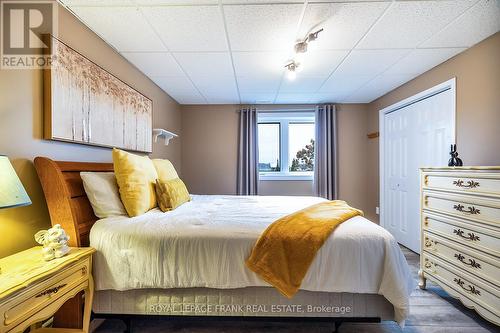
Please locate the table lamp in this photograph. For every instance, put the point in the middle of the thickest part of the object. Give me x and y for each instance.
(12, 192)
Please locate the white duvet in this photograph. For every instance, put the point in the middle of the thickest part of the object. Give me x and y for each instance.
(204, 243)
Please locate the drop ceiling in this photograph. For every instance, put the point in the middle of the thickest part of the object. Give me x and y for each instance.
(234, 51)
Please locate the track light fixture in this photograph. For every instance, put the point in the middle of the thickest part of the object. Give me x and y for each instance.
(300, 50)
(292, 69)
(313, 36)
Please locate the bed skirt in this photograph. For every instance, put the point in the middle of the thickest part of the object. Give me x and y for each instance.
(251, 301)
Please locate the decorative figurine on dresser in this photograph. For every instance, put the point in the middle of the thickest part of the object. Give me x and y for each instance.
(460, 234)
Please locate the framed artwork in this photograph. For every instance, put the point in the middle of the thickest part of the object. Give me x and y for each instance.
(84, 103)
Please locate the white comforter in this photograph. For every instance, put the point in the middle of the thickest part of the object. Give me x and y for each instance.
(204, 243)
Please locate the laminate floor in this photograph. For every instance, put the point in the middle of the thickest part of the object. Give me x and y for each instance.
(432, 311)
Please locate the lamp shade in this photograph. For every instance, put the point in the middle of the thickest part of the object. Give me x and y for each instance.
(12, 192)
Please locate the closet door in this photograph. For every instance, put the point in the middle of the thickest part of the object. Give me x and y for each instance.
(396, 148)
(416, 135)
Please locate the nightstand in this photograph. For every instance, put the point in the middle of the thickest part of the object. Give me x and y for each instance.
(32, 289)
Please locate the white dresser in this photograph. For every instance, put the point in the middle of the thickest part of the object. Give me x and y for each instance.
(460, 216)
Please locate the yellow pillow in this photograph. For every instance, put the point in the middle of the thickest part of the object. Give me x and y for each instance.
(171, 194)
(136, 176)
(165, 170)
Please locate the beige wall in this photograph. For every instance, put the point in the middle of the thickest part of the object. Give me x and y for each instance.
(477, 72)
(210, 146)
(21, 129)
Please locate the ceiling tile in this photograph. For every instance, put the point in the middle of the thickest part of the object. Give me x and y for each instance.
(476, 24)
(262, 27)
(154, 63)
(257, 98)
(217, 89)
(344, 24)
(344, 85)
(180, 88)
(260, 64)
(189, 28)
(419, 61)
(243, 2)
(376, 88)
(259, 84)
(321, 63)
(176, 2)
(284, 98)
(301, 84)
(123, 27)
(98, 2)
(369, 62)
(205, 64)
(408, 23)
(326, 97)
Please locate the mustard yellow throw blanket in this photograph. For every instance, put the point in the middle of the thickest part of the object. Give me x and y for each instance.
(286, 249)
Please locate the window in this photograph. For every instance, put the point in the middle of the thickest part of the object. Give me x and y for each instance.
(286, 145)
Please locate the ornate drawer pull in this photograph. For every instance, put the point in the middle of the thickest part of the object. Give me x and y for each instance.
(470, 210)
(470, 235)
(473, 263)
(469, 184)
(470, 288)
(51, 291)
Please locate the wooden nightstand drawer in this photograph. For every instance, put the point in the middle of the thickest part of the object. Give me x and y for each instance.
(33, 290)
(32, 300)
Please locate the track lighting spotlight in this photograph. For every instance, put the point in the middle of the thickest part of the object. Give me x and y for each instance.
(292, 70)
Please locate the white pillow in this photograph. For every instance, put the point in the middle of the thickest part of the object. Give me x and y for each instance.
(102, 191)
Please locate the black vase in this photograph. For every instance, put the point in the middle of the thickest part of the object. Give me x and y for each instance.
(454, 160)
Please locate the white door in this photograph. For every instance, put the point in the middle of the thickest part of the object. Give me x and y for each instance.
(414, 134)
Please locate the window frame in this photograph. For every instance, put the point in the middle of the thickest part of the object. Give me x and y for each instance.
(284, 119)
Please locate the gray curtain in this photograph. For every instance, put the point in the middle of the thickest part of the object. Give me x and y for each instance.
(325, 157)
(248, 171)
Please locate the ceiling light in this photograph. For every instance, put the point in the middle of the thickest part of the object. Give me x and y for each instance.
(292, 70)
(313, 36)
(300, 49)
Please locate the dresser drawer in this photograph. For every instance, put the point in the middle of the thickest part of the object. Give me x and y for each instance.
(483, 296)
(466, 233)
(31, 300)
(464, 206)
(462, 257)
(480, 182)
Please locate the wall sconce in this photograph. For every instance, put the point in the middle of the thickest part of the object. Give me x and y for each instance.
(160, 132)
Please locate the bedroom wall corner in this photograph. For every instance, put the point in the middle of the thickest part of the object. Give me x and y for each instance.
(21, 133)
(210, 146)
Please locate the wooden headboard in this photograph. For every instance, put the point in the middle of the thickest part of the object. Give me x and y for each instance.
(66, 198)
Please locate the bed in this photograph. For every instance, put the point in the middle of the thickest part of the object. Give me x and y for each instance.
(190, 262)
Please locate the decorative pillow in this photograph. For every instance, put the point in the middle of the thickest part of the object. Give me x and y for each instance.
(165, 170)
(171, 194)
(102, 191)
(136, 176)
